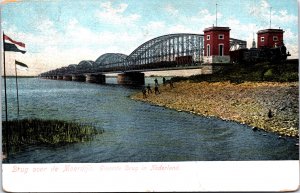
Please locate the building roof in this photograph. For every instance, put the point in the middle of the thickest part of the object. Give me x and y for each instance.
(270, 31)
(214, 28)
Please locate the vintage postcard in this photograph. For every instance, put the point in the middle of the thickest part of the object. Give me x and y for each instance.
(137, 95)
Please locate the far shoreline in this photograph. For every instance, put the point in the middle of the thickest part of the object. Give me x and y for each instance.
(20, 76)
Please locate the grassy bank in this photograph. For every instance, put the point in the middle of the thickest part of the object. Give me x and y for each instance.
(263, 96)
(47, 132)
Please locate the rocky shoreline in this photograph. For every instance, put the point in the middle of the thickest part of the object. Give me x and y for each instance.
(271, 106)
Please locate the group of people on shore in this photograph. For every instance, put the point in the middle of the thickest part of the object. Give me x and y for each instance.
(147, 90)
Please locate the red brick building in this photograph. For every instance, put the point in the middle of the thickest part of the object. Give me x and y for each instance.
(216, 45)
(269, 38)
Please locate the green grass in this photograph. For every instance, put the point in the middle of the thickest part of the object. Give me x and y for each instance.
(45, 132)
(238, 73)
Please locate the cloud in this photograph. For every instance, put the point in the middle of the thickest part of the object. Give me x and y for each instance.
(279, 18)
(45, 48)
(169, 8)
(282, 17)
(179, 28)
(50, 48)
(83, 37)
(289, 36)
(117, 15)
(290, 40)
(204, 18)
(153, 28)
(243, 31)
(259, 10)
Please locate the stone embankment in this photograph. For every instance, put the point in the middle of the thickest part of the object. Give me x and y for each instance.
(270, 106)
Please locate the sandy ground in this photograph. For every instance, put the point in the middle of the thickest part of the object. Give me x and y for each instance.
(267, 105)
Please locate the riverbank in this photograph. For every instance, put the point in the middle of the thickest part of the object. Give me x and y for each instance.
(271, 106)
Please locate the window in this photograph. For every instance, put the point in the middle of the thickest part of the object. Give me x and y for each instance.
(221, 36)
(221, 49)
(208, 37)
(275, 38)
(262, 39)
(208, 50)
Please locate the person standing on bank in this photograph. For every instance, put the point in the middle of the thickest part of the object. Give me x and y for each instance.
(156, 82)
(144, 93)
(171, 84)
(156, 89)
(149, 89)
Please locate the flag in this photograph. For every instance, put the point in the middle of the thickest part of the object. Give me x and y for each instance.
(20, 65)
(12, 45)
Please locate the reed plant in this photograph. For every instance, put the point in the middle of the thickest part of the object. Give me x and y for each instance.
(47, 132)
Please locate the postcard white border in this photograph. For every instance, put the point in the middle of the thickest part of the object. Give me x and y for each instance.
(152, 176)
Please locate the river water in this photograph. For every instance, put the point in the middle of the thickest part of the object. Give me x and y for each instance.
(134, 131)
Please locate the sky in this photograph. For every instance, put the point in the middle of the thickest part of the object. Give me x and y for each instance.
(62, 32)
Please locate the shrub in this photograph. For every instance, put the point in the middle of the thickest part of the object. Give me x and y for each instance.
(289, 77)
(268, 73)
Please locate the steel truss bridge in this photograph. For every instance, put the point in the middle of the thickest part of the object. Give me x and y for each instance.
(160, 52)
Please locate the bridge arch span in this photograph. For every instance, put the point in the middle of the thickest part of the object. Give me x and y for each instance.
(166, 48)
(110, 60)
(110, 57)
(85, 66)
(71, 68)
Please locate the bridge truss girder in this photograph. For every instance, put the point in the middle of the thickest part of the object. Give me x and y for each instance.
(166, 48)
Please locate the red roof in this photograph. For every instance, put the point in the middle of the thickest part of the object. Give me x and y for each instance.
(270, 31)
(216, 29)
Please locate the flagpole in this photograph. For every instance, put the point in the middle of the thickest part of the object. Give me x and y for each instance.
(216, 14)
(5, 98)
(4, 73)
(270, 16)
(17, 89)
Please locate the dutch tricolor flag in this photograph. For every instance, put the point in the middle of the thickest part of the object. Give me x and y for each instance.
(12, 45)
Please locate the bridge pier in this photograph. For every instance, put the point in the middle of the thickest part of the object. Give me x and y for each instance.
(60, 77)
(79, 78)
(67, 77)
(54, 77)
(96, 78)
(131, 78)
